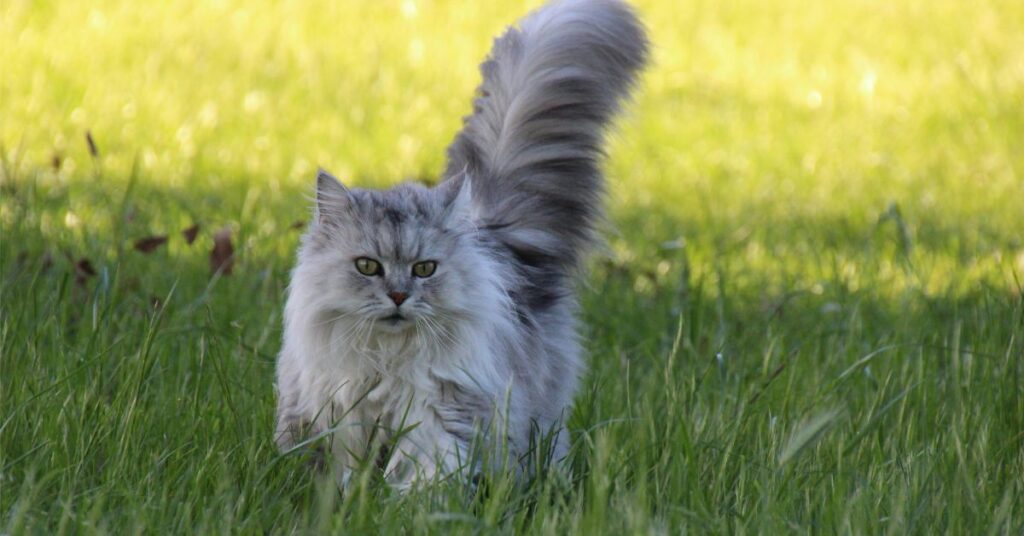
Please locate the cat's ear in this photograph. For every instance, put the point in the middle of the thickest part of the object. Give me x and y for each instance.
(457, 197)
(332, 198)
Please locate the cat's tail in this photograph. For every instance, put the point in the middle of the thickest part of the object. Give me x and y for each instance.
(533, 144)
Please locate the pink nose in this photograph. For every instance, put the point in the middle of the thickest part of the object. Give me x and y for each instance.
(397, 297)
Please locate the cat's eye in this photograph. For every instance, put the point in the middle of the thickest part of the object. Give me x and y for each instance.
(424, 268)
(368, 266)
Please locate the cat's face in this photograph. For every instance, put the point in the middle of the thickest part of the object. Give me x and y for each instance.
(390, 261)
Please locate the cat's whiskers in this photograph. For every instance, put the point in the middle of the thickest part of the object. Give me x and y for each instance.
(351, 331)
(445, 331)
(438, 332)
(362, 337)
(444, 321)
(425, 330)
(336, 318)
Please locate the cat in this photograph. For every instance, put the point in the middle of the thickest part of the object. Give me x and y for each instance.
(435, 319)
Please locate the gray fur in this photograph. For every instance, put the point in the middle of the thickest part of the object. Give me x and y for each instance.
(490, 343)
(534, 142)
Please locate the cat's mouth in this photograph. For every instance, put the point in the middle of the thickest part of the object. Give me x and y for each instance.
(393, 318)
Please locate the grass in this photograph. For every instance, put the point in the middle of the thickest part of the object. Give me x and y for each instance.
(809, 317)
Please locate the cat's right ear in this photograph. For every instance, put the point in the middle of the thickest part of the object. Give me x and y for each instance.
(332, 198)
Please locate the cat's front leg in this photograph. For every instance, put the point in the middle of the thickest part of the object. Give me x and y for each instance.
(293, 425)
(332, 454)
(424, 454)
(299, 427)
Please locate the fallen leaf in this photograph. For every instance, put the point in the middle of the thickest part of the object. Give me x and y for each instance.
(222, 257)
(191, 233)
(93, 150)
(85, 267)
(148, 244)
(84, 270)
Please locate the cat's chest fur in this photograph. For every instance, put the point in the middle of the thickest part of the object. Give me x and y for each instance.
(381, 381)
(369, 394)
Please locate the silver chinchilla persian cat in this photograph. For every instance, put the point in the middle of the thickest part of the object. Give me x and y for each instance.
(424, 322)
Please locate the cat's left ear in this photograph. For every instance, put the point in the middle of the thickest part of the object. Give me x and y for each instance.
(457, 196)
(332, 198)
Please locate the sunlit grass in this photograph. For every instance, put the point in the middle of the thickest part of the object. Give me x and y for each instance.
(808, 316)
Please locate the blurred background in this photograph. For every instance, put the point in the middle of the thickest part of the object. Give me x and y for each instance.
(759, 117)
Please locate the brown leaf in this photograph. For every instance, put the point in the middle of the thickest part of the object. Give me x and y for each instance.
(148, 244)
(191, 233)
(85, 267)
(222, 258)
(93, 150)
(84, 270)
(298, 225)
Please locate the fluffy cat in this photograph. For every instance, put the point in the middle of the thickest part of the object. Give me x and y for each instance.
(437, 319)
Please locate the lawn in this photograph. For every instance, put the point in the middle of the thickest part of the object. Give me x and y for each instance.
(808, 316)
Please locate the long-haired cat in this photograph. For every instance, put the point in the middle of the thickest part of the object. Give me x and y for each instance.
(436, 319)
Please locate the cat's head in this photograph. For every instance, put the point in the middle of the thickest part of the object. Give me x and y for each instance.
(393, 260)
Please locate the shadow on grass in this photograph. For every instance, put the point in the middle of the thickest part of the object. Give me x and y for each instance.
(799, 272)
(730, 328)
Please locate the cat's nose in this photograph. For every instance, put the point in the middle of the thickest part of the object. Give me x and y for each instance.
(397, 297)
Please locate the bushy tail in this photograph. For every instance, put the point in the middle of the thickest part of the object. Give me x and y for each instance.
(533, 144)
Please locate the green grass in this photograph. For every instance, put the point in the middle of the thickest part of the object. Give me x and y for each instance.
(808, 319)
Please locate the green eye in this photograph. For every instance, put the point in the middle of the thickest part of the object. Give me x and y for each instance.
(367, 266)
(424, 269)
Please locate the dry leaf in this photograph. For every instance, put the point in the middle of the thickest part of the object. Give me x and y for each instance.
(222, 257)
(148, 244)
(84, 267)
(191, 233)
(93, 150)
(84, 270)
